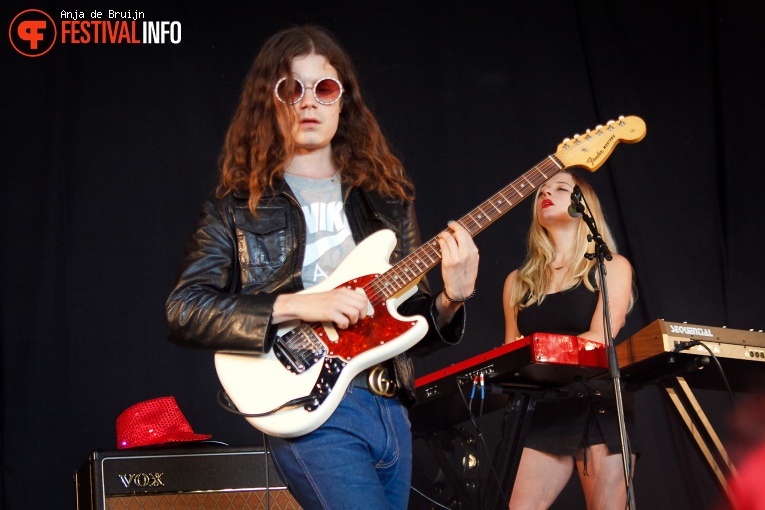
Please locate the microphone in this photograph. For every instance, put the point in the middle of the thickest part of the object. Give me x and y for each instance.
(576, 208)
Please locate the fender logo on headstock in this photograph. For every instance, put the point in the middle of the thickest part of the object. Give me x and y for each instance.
(592, 159)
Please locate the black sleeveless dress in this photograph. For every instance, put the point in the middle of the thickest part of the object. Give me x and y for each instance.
(587, 416)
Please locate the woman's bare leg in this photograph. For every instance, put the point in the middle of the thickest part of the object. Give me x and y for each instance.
(541, 477)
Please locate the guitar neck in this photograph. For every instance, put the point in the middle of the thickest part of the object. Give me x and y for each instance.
(426, 257)
(508, 197)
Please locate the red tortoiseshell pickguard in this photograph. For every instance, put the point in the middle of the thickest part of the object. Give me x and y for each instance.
(368, 333)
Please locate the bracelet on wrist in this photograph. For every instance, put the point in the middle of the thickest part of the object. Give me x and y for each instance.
(461, 300)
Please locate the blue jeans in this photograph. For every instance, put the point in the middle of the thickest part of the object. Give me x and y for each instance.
(360, 458)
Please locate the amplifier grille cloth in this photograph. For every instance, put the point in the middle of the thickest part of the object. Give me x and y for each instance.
(250, 500)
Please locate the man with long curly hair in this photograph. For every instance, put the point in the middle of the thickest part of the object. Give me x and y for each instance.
(306, 175)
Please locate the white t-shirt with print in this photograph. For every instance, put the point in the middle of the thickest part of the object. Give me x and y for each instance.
(328, 235)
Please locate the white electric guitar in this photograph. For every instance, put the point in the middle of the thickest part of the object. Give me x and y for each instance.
(297, 385)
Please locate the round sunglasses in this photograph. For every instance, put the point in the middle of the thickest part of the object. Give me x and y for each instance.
(291, 90)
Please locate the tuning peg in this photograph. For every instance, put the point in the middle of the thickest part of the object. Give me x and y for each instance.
(599, 127)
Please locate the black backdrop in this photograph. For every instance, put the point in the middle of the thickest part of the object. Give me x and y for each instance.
(110, 150)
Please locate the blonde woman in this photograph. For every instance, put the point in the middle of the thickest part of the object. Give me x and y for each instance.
(556, 291)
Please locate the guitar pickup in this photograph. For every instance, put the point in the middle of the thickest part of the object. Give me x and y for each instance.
(331, 331)
(370, 308)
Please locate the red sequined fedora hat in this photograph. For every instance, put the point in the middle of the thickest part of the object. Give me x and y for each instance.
(154, 422)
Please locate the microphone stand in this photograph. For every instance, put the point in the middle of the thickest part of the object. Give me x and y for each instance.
(603, 253)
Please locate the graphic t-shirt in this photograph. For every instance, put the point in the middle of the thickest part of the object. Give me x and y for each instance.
(328, 236)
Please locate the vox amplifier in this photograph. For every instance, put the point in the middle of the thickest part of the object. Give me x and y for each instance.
(181, 478)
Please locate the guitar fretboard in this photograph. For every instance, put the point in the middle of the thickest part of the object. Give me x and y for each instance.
(427, 256)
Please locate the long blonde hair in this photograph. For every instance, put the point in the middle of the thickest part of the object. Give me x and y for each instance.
(533, 277)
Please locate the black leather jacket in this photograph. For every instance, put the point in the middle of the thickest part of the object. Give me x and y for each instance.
(235, 265)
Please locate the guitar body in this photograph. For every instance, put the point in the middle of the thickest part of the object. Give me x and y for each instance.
(259, 383)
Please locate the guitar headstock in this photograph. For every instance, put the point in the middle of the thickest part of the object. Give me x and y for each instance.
(591, 149)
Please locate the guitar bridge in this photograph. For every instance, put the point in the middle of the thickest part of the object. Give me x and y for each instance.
(299, 349)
